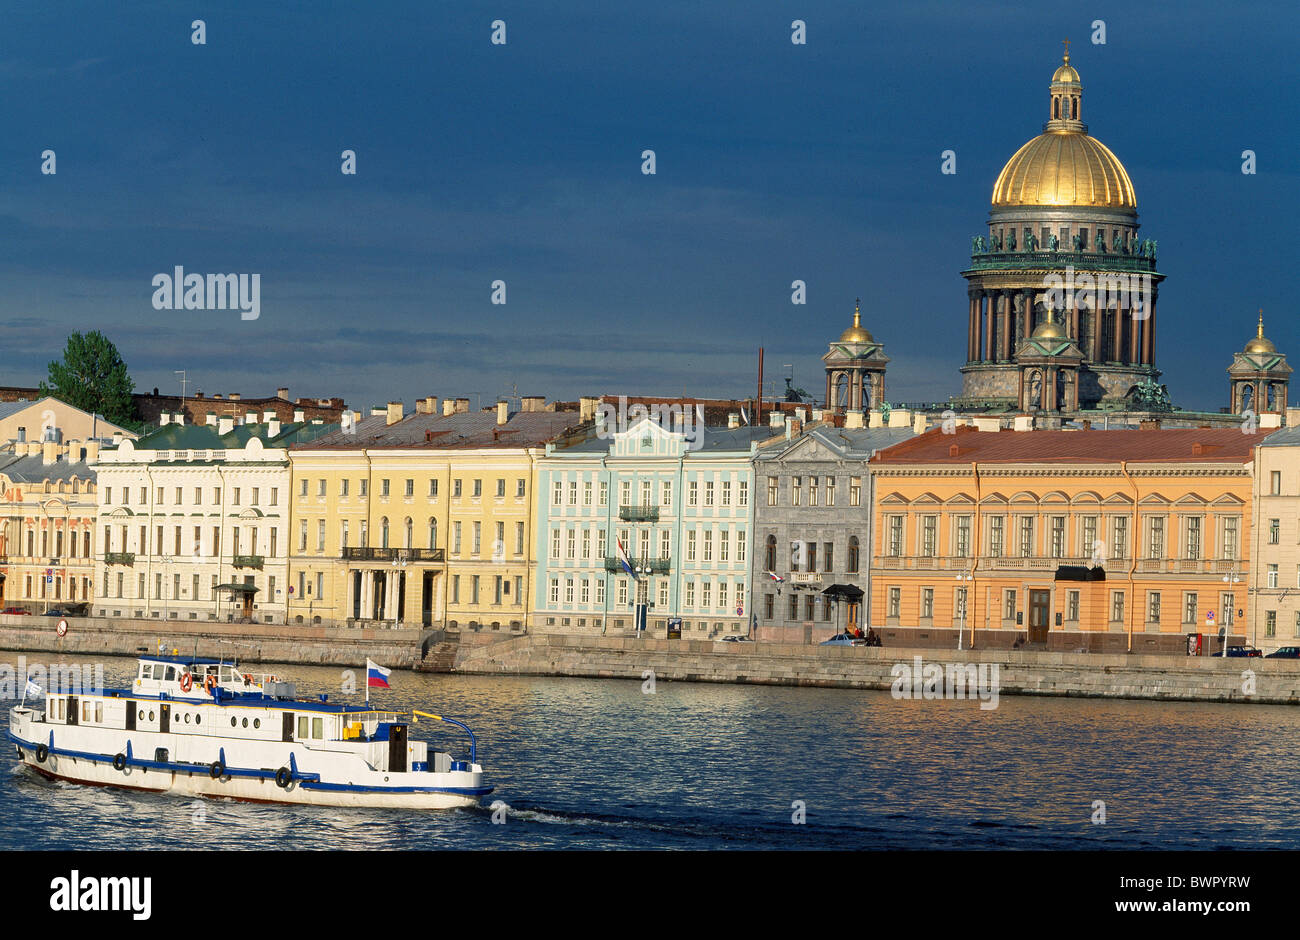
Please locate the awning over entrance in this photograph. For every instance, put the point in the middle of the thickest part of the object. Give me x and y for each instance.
(1080, 573)
(237, 588)
(848, 592)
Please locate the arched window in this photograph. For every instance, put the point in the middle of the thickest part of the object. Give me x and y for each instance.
(770, 560)
(1056, 107)
(410, 532)
(433, 533)
(853, 554)
(383, 532)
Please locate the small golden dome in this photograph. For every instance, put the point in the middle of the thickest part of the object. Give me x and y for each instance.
(1260, 344)
(1064, 168)
(1049, 329)
(855, 333)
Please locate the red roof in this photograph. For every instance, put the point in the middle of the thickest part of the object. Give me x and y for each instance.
(969, 445)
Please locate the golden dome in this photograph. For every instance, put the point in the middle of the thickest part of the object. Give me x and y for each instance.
(855, 333)
(1064, 168)
(1049, 329)
(1260, 344)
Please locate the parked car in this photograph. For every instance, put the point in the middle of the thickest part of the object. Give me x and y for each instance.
(55, 612)
(1244, 651)
(14, 610)
(735, 639)
(845, 639)
(1285, 652)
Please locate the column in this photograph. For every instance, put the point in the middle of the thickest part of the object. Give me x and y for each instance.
(1135, 346)
(1118, 348)
(1151, 332)
(970, 327)
(1006, 326)
(986, 327)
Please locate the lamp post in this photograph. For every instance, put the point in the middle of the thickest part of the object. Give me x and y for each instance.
(963, 577)
(399, 569)
(1230, 578)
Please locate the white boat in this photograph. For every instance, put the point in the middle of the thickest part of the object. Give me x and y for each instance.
(202, 727)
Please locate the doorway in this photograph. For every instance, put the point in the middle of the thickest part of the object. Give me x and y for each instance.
(1040, 603)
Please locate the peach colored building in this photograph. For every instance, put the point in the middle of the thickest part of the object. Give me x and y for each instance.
(1063, 539)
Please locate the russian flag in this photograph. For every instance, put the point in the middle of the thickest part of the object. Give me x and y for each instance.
(622, 558)
(376, 675)
(774, 576)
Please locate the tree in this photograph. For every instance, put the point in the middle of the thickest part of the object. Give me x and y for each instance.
(92, 376)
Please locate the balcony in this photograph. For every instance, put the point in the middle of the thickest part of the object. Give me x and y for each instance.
(248, 561)
(393, 554)
(656, 565)
(638, 513)
(1082, 261)
(119, 558)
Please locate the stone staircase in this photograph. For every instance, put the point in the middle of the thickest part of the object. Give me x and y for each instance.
(439, 651)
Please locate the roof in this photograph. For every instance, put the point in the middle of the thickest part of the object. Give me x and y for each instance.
(34, 469)
(850, 443)
(206, 437)
(465, 429)
(1286, 437)
(1215, 445)
(712, 439)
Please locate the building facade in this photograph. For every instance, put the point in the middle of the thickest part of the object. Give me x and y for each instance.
(1101, 540)
(1274, 581)
(812, 530)
(680, 505)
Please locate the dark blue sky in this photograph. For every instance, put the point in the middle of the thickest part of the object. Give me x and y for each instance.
(522, 162)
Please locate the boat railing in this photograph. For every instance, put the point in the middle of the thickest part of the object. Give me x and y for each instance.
(473, 745)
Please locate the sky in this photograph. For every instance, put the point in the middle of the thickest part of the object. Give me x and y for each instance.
(478, 162)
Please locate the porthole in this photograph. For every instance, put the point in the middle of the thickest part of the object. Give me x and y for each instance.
(187, 718)
(198, 719)
(233, 722)
(257, 722)
(141, 715)
(245, 722)
(151, 715)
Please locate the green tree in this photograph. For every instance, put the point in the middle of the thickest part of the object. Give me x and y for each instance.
(92, 376)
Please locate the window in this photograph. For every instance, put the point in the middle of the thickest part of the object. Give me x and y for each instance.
(1230, 538)
(1116, 606)
(1193, 537)
(813, 491)
(708, 493)
(769, 555)
(963, 536)
(455, 489)
(796, 487)
(519, 538)
(690, 545)
(726, 500)
(666, 493)
(1009, 604)
(570, 543)
(433, 489)
(302, 535)
(828, 549)
(743, 493)
(477, 492)
(320, 534)
(501, 489)
(1156, 544)
(927, 603)
(854, 557)
(478, 539)
(895, 600)
(1275, 482)
(1072, 606)
(1058, 536)
(410, 489)
(995, 536)
(568, 590)
(855, 491)
(1272, 576)
(256, 495)
(383, 489)
(455, 538)
(771, 491)
(303, 490)
(1153, 607)
(929, 529)
(320, 491)
(665, 543)
(573, 492)
(830, 491)
(1026, 536)
(1189, 608)
(519, 489)
(1270, 623)
(557, 493)
(794, 606)
(1119, 537)
(604, 493)
(769, 600)
(895, 536)
(555, 590)
(622, 592)
(1274, 531)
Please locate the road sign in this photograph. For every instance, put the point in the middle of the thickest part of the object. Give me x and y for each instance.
(62, 628)
(740, 611)
(1209, 618)
(291, 589)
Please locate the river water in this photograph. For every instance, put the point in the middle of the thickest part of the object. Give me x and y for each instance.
(586, 764)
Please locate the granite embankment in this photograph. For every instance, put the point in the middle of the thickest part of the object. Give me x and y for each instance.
(1179, 678)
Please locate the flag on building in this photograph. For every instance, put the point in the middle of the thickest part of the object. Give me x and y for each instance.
(622, 557)
(775, 577)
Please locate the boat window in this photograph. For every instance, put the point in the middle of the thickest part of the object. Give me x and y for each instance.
(198, 718)
(151, 714)
(85, 711)
(227, 674)
(233, 721)
(187, 718)
(141, 715)
(302, 726)
(317, 728)
(99, 712)
(245, 722)
(257, 722)
(171, 673)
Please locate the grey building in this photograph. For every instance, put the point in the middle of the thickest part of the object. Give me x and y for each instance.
(812, 517)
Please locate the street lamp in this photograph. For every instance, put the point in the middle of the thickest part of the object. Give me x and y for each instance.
(963, 577)
(1229, 578)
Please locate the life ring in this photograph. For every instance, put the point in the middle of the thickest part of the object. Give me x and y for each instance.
(283, 777)
(187, 681)
(217, 770)
(119, 762)
(210, 683)
(42, 752)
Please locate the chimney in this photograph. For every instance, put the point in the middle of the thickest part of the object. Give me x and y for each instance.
(818, 414)
(1270, 419)
(1292, 417)
(272, 428)
(92, 451)
(448, 407)
(789, 427)
(988, 424)
(875, 419)
(225, 424)
(268, 415)
(217, 396)
(117, 438)
(49, 452)
(852, 419)
(587, 406)
(377, 410)
(233, 396)
(394, 412)
(1024, 423)
(282, 394)
(533, 403)
(22, 435)
(801, 414)
(733, 419)
(426, 406)
(462, 406)
(178, 418)
(776, 419)
(164, 419)
(211, 419)
(299, 416)
(503, 412)
(900, 418)
(919, 423)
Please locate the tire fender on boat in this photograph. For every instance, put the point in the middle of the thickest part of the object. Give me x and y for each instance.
(20, 754)
(283, 777)
(119, 762)
(217, 770)
(42, 752)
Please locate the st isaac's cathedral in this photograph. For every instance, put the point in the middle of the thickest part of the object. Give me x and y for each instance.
(1062, 300)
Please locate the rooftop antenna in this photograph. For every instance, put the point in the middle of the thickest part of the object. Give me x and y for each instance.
(184, 380)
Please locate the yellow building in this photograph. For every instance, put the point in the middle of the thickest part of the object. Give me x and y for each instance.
(421, 520)
(47, 551)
